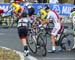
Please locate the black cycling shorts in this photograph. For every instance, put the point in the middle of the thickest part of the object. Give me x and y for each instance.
(22, 31)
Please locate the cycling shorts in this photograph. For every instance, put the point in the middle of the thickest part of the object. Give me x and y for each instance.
(57, 29)
(22, 31)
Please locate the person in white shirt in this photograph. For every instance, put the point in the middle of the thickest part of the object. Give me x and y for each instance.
(57, 26)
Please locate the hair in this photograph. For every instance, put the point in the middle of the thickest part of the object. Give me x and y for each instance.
(47, 8)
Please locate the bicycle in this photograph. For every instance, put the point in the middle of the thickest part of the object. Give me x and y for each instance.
(63, 40)
(39, 44)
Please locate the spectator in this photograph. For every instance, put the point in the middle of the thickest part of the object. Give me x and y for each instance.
(25, 1)
(35, 1)
(39, 1)
(53, 1)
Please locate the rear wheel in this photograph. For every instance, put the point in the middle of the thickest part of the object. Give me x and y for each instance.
(67, 41)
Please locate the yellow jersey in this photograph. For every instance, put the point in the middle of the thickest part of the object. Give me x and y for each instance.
(15, 6)
(43, 13)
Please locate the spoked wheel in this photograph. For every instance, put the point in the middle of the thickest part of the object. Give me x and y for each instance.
(67, 41)
(41, 45)
(31, 44)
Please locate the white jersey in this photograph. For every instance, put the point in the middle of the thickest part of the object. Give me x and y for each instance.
(57, 25)
(23, 22)
(54, 16)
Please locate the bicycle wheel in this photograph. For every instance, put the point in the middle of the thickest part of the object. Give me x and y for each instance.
(31, 44)
(67, 41)
(46, 37)
(42, 46)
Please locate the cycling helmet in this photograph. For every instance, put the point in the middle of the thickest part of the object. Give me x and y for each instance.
(40, 7)
(24, 14)
(27, 4)
(46, 7)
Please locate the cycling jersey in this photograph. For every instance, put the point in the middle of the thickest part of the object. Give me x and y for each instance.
(54, 16)
(17, 7)
(72, 14)
(24, 22)
(43, 13)
(56, 20)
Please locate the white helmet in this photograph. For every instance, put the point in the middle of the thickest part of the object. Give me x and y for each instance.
(39, 7)
(27, 4)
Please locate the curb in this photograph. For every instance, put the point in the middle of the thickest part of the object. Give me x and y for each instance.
(18, 52)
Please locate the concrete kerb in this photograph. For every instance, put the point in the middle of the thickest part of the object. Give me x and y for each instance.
(18, 52)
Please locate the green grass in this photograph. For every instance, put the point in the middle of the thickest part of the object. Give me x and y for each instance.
(8, 55)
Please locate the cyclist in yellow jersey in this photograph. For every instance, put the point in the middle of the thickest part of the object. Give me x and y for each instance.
(43, 15)
(17, 10)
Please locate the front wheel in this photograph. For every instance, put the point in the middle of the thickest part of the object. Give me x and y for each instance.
(31, 44)
(41, 43)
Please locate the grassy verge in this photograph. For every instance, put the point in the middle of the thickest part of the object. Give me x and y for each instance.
(8, 55)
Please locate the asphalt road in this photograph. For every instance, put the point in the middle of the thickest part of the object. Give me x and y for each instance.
(9, 38)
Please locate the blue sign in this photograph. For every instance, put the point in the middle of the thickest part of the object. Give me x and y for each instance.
(61, 9)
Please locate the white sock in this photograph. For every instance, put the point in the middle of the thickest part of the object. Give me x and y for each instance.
(53, 48)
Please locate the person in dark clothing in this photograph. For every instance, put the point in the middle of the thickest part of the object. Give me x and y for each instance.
(31, 10)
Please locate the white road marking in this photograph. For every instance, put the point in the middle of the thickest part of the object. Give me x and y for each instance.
(32, 58)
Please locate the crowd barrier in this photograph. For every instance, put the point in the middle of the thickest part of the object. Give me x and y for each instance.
(62, 9)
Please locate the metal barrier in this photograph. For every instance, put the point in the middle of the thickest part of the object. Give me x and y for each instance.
(7, 22)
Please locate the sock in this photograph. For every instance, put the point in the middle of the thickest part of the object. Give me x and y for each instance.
(25, 48)
(53, 48)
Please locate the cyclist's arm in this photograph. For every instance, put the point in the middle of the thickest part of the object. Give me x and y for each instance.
(10, 8)
(45, 21)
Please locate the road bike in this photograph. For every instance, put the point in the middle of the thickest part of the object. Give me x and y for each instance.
(36, 45)
(65, 38)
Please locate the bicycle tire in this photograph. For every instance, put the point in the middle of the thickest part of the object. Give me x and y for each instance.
(41, 43)
(66, 42)
(30, 43)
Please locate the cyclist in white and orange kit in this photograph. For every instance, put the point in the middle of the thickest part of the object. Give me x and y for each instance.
(57, 25)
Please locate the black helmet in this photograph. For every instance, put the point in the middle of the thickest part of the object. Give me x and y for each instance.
(46, 7)
(24, 14)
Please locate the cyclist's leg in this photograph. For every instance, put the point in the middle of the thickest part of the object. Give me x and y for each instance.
(22, 31)
(53, 36)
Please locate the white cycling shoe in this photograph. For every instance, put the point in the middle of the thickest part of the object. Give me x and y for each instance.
(26, 52)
